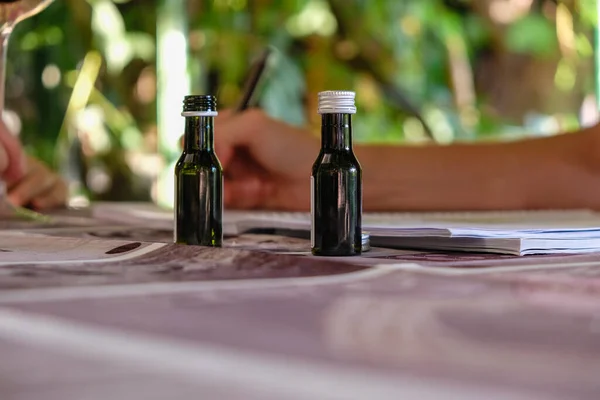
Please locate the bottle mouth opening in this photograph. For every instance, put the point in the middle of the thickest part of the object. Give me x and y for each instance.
(201, 103)
(337, 102)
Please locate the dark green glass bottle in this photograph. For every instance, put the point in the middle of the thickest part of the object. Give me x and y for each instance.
(336, 181)
(199, 177)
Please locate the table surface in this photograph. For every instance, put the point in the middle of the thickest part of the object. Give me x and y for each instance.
(91, 309)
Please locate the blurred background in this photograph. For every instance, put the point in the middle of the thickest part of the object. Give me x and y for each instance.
(95, 86)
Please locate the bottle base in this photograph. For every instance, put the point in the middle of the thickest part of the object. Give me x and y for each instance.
(195, 243)
(336, 253)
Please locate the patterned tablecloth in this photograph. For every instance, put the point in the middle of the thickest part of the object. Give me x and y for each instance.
(97, 310)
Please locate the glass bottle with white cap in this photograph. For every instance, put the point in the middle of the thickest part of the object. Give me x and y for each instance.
(199, 177)
(336, 181)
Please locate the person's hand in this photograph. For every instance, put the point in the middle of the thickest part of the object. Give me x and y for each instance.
(40, 188)
(12, 159)
(267, 163)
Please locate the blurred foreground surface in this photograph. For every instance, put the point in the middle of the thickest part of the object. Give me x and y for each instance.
(92, 309)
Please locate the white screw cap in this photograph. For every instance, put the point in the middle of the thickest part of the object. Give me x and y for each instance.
(337, 102)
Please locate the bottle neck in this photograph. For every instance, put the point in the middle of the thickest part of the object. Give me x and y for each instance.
(199, 134)
(336, 131)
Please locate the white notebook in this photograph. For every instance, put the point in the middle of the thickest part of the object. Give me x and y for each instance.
(507, 232)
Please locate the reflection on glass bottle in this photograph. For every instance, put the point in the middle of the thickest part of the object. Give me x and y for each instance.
(336, 181)
(199, 178)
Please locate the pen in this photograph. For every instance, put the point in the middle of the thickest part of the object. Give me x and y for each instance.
(256, 73)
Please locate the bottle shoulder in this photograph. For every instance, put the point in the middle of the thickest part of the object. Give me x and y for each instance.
(198, 160)
(334, 160)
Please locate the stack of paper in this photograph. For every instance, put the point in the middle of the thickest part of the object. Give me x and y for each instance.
(508, 232)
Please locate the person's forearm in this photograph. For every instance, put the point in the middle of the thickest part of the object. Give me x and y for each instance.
(531, 174)
(437, 178)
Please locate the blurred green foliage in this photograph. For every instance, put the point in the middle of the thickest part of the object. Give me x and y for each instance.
(470, 70)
